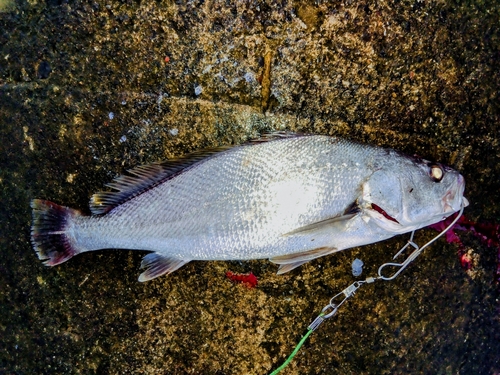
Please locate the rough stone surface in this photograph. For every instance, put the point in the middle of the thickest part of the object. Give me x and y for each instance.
(89, 89)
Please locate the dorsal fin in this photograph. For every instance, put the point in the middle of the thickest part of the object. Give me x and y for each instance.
(145, 177)
(279, 134)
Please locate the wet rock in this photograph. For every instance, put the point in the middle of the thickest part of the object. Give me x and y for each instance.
(44, 70)
(421, 77)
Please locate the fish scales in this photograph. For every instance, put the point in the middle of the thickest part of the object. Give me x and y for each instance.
(233, 205)
(290, 199)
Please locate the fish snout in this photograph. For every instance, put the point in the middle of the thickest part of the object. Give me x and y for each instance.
(465, 201)
(454, 199)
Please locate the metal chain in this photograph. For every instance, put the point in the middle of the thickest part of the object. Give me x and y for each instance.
(332, 307)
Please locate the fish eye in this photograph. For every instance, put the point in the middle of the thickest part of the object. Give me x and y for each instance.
(436, 172)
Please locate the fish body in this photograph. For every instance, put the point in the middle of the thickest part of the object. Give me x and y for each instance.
(290, 199)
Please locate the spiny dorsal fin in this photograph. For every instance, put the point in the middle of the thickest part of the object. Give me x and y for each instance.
(272, 136)
(145, 177)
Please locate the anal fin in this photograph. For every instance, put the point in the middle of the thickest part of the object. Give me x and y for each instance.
(290, 261)
(157, 264)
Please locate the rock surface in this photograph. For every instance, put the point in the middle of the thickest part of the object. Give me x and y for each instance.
(89, 89)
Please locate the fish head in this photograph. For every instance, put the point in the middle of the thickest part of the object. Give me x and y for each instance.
(406, 194)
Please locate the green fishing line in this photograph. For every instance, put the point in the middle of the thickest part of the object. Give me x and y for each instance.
(331, 309)
(290, 357)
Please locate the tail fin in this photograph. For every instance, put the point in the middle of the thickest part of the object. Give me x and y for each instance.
(48, 232)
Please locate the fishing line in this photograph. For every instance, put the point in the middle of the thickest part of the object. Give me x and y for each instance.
(331, 308)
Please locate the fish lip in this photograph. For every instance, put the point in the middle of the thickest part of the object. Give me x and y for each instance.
(465, 201)
(454, 199)
(448, 199)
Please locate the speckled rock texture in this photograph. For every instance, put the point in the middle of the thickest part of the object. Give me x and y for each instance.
(89, 89)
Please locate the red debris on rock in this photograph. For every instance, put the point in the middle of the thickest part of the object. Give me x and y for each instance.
(466, 261)
(249, 279)
(488, 233)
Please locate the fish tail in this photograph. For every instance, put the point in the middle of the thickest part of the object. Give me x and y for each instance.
(49, 232)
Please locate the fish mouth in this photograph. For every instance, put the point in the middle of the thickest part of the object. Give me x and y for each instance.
(454, 199)
(465, 202)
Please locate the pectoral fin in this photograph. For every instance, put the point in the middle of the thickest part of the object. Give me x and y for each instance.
(290, 261)
(322, 225)
(157, 264)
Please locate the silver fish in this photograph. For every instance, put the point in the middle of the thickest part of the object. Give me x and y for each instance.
(290, 198)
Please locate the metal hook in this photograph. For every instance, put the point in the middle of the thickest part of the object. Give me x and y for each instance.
(331, 308)
(416, 252)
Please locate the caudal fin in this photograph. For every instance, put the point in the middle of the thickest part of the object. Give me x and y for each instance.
(48, 232)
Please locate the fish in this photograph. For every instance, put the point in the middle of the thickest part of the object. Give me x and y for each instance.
(287, 197)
